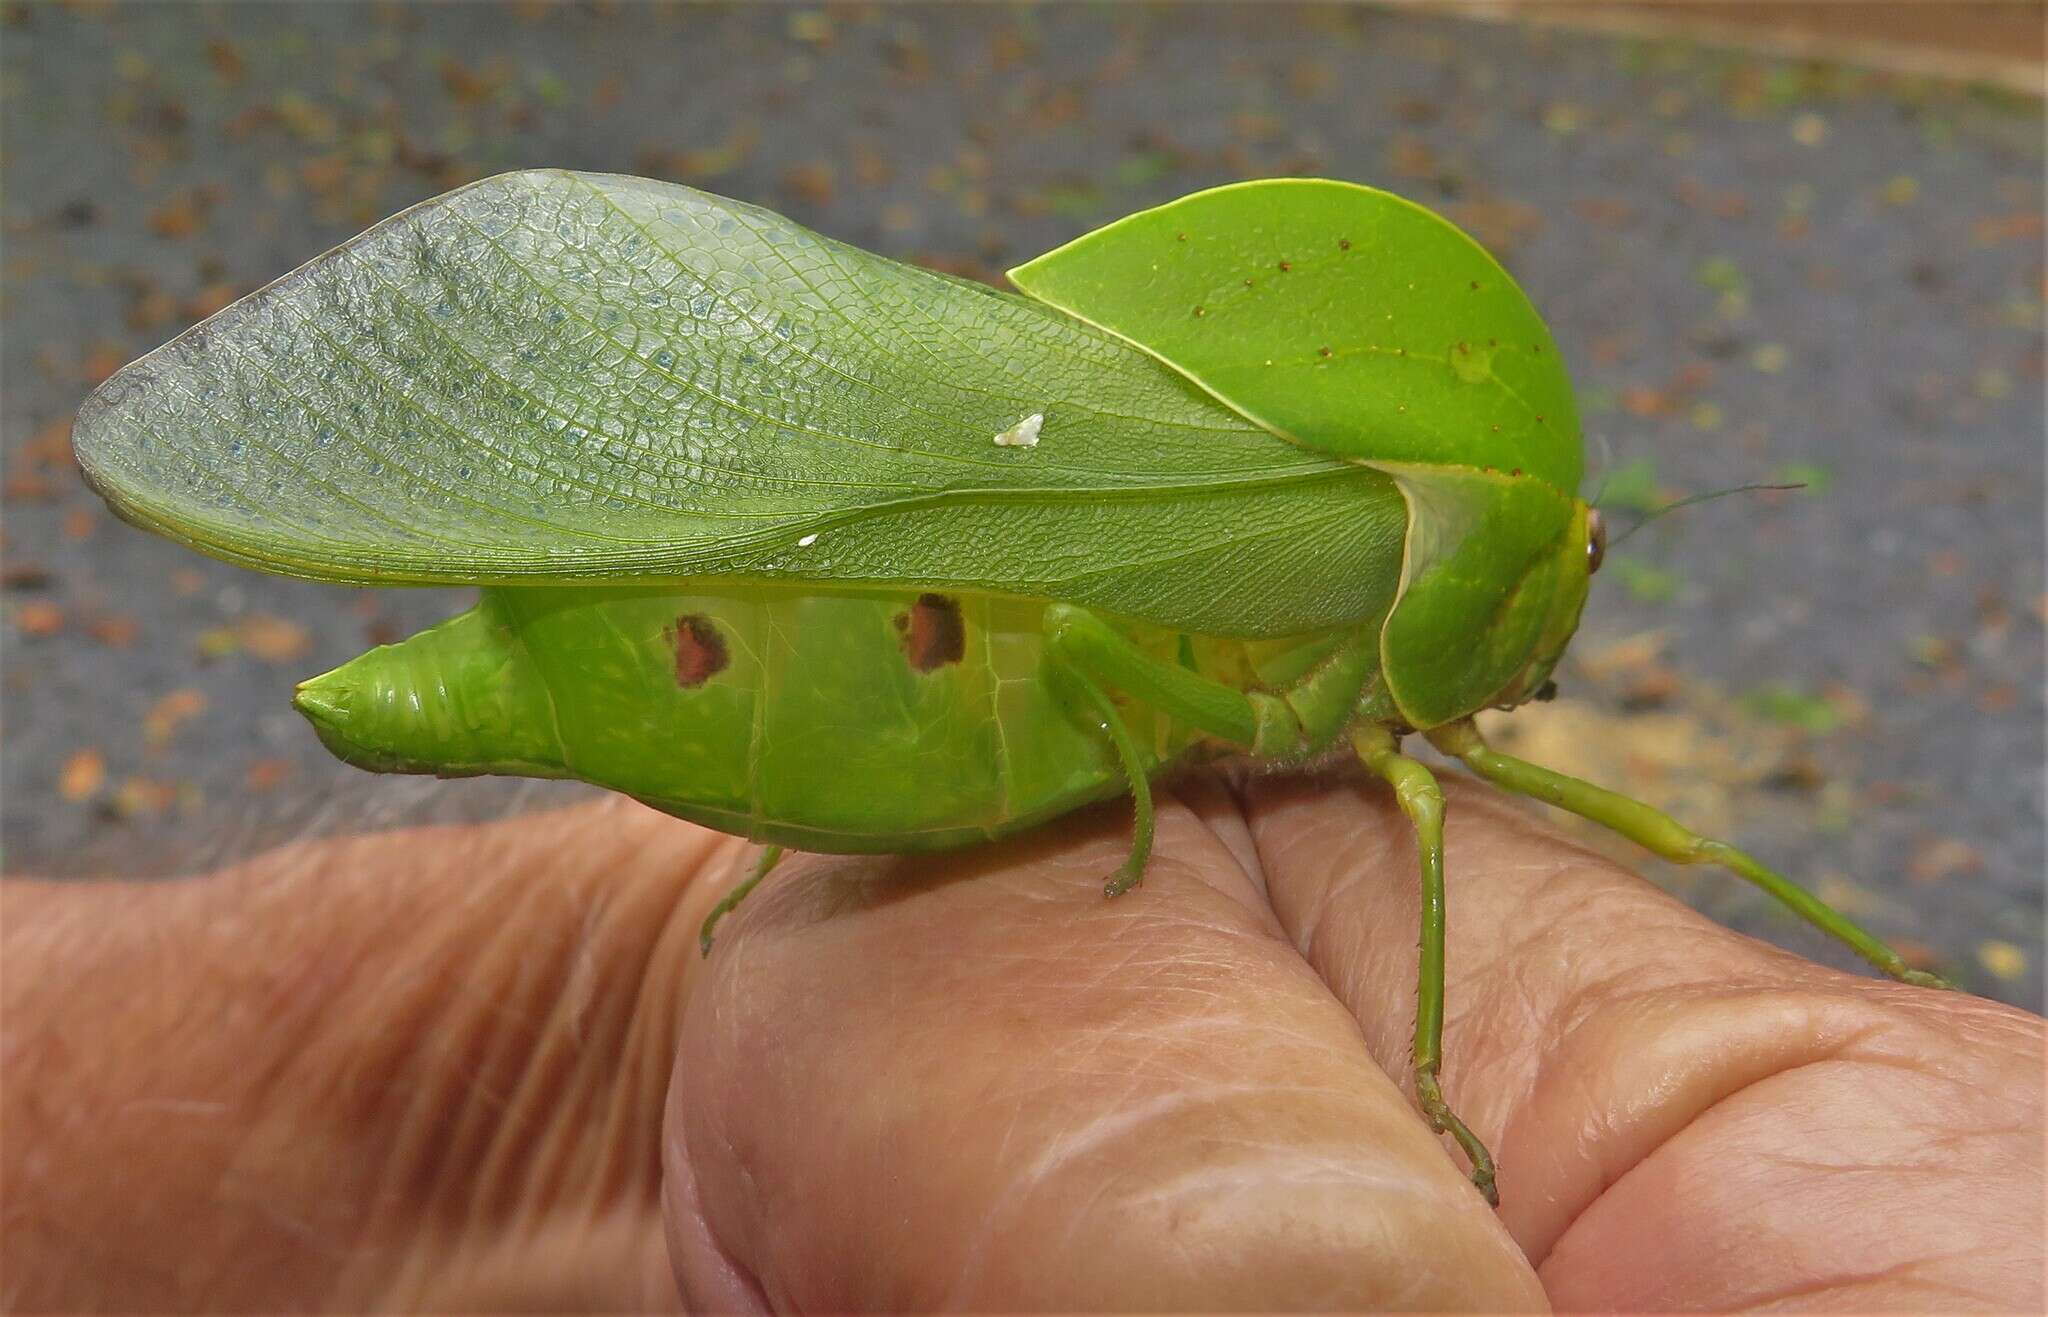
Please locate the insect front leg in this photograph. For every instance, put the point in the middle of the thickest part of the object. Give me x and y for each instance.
(1662, 835)
(1423, 802)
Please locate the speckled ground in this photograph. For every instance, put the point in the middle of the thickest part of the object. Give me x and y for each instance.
(1759, 271)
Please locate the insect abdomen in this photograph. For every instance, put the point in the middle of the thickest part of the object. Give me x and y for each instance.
(456, 699)
(832, 721)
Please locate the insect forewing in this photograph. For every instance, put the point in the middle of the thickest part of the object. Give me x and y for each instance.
(553, 376)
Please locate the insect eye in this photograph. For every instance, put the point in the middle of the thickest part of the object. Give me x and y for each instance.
(1596, 540)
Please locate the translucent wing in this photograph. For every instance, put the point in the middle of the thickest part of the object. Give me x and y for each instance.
(551, 376)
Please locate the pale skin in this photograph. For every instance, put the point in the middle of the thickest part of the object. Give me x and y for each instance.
(486, 1067)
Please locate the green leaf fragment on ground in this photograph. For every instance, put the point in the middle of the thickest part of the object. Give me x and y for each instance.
(1817, 478)
(1646, 583)
(1632, 486)
(1143, 167)
(1793, 708)
(1722, 275)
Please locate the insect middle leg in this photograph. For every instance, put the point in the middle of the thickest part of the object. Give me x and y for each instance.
(1312, 712)
(1423, 802)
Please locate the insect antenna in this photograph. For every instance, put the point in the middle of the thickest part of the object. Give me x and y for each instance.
(1688, 501)
(1603, 462)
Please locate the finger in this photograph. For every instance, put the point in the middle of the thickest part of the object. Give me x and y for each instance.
(1625, 1058)
(970, 1081)
(419, 1069)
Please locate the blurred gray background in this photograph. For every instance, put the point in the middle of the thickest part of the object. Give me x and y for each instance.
(1759, 269)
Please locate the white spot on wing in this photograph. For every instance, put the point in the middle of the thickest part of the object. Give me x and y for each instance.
(1024, 434)
(807, 541)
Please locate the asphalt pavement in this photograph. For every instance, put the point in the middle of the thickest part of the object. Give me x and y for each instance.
(1759, 271)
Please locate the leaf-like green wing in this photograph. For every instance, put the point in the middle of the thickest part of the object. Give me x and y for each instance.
(553, 376)
(1338, 316)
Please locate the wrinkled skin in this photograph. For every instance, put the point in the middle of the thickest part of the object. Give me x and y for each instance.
(485, 1067)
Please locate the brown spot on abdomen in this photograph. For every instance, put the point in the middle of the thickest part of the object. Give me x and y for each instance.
(700, 650)
(933, 634)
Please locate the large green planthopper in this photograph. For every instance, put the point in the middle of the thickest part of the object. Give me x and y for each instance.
(835, 553)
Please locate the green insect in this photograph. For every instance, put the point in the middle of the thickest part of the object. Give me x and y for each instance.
(830, 552)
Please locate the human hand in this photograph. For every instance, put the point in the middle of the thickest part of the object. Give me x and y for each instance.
(470, 1067)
